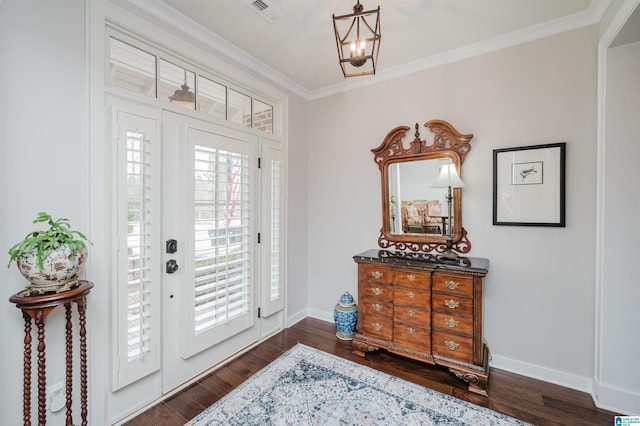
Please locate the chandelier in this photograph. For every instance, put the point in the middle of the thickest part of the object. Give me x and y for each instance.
(358, 40)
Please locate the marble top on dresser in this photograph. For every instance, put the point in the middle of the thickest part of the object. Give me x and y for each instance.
(424, 260)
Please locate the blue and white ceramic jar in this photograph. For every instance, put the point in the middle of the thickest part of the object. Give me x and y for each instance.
(345, 315)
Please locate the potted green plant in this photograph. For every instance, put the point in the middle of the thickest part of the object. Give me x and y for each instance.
(51, 258)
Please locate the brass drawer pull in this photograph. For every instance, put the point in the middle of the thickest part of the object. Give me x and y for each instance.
(377, 307)
(451, 322)
(411, 330)
(451, 304)
(411, 277)
(451, 345)
(411, 312)
(377, 275)
(451, 285)
(376, 326)
(411, 295)
(377, 291)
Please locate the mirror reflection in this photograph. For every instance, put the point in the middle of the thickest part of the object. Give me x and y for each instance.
(416, 205)
(421, 204)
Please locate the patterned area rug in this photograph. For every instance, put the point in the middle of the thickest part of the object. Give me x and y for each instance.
(305, 386)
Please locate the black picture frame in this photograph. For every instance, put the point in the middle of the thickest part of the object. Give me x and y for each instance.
(529, 185)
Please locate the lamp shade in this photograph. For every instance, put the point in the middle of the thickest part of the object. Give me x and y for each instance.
(448, 177)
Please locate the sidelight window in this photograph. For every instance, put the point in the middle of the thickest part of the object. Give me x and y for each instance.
(137, 225)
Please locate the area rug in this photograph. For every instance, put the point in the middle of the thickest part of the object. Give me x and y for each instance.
(305, 386)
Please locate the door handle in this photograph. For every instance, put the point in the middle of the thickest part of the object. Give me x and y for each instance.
(171, 266)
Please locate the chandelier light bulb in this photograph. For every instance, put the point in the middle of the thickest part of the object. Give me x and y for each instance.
(355, 33)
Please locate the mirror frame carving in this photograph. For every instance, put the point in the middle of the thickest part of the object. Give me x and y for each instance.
(447, 143)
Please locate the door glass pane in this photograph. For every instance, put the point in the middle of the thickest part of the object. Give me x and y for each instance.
(212, 98)
(177, 85)
(221, 226)
(275, 216)
(239, 108)
(262, 116)
(138, 243)
(272, 248)
(131, 68)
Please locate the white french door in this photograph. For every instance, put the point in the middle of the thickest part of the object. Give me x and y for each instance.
(209, 204)
(198, 247)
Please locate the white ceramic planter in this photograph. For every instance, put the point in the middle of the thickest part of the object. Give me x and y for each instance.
(61, 266)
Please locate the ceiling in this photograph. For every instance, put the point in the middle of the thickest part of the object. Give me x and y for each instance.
(299, 49)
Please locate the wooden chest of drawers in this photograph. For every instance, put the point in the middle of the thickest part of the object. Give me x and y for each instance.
(416, 306)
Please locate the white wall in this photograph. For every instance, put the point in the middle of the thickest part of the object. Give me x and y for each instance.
(42, 152)
(297, 214)
(620, 290)
(539, 294)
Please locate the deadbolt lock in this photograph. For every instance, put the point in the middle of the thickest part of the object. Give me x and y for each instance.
(171, 246)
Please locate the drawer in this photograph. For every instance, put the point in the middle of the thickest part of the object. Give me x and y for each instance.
(377, 291)
(411, 297)
(378, 326)
(412, 279)
(412, 315)
(454, 285)
(377, 307)
(377, 273)
(448, 322)
(451, 345)
(413, 337)
(452, 304)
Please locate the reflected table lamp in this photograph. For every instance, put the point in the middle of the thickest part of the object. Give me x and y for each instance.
(448, 178)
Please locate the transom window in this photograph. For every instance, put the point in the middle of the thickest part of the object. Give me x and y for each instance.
(138, 71)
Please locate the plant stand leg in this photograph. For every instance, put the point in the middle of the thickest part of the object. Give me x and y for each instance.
(69, 364)
(26, 398)
(82, 305)
(42, 375)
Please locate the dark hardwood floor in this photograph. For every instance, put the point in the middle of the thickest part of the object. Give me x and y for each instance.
(533, 401)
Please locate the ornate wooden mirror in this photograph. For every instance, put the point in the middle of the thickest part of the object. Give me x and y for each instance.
(414, 209)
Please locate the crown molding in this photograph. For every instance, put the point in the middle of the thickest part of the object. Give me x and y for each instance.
(597, 8)
(170, 16)
(588, 17)
(189, 27)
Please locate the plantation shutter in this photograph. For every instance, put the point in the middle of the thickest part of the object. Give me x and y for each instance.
(272, 247)
(219, 299)
(137, 278)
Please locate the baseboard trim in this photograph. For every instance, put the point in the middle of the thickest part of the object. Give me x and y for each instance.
(297, 317)
(608, 398)
(321, 315)
(557, 377)
(619, 401)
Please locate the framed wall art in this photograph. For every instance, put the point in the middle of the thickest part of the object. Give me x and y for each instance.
(529, 185)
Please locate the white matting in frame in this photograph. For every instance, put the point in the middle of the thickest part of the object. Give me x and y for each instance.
(529, 185)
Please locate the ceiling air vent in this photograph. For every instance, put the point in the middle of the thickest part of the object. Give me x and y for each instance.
(265, 8)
